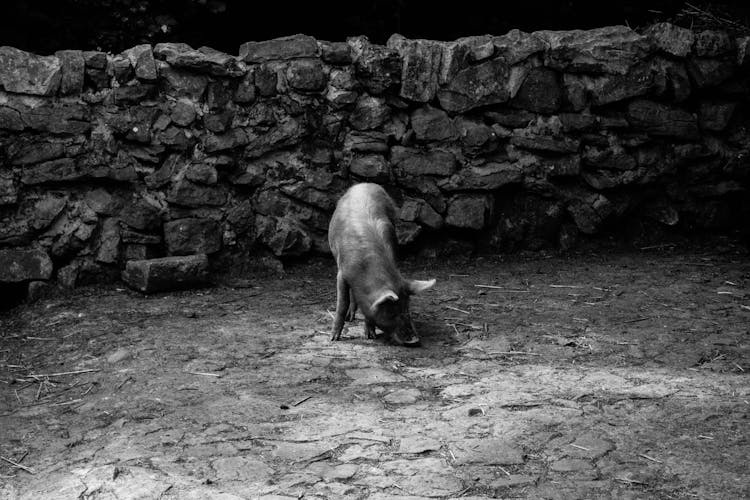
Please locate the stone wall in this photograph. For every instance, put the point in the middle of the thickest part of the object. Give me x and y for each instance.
(514, 141)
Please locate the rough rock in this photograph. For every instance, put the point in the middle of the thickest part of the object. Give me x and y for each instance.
(541, 92)
(407, 232)
(202, 173)
(715, 116)
(306, 75)
(420, 67)
(288, 47)
(432, 124)
(283, 235)
(468, 211)
(187, 193)
(490, 82)
(487, 177)
(662, 120)
(202, 60)
(671, 39)
(416, 162)
(589, 211)
(377, 68)
(373, 167)
(612, 49)
(142, 59)
(709, 72)
(8, 188)
(167, 273)
(142, 215)
(18, 265)
(192, 236)
(73, 71)
(712, 43)
(25, 73)
(369, 113)
(108, 242)
(415, 210)
(516, 46)
(338, 53)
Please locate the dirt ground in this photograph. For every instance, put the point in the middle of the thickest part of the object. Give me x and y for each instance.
(592, 375)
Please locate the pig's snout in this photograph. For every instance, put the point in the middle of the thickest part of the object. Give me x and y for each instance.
(405, 334)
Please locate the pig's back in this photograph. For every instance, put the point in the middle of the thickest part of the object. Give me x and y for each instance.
(362, 223)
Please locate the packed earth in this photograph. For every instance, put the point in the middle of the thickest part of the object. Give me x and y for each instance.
(620, 374)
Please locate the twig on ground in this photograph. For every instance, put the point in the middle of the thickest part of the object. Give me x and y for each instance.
(650, 458)
(17, 465)
(301, 401)
(123, 382)
(509, 353)
(60, 374)
(564, 286)
(457, 309)
(503, 470)
(629, 481)
(702, 436)
(206, 374)
(655, 247)
(579, 447)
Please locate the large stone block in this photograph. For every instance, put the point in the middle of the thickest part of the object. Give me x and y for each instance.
(192, 236)
(187, 193)
(613, 49)
(283, 235)
(202, 60)
(420, 67)
(715, 115)
(712, 43)
(25, 73)
(73, 71)
(662, 120)
(432, 124)
(468, 211)
(709, 72)
(167, 273)
(673, 40)
(142, 59)
(487, 177)
(18, 265)
(372, 167)
(541, 92)
(338, 53)
(288, 47)
(516, 46)
(8, 188)
(416, 162)
(306, 75)
(369, 113)
(475, 86)
(377, 68)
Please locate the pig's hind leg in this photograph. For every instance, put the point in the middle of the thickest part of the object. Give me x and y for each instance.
(342, 305)
(352, 311)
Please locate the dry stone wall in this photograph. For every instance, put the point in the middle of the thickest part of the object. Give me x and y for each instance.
(520, 140)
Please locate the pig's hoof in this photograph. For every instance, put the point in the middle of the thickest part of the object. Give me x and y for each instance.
(413, 342)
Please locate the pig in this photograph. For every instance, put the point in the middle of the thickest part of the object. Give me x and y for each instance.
(362, 238)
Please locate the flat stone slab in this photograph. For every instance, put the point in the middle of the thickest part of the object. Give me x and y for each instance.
(23, 265)
(166, 273)
(418, 444)
(491, 451)
(368, 376)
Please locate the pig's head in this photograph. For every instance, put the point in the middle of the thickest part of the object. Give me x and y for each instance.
(390, 311)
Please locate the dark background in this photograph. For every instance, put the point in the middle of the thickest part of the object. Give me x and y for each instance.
(114, 25)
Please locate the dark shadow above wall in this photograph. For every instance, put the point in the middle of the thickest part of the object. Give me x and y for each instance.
(45, 26)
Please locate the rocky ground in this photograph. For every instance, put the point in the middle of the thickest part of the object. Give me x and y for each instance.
(583, 376)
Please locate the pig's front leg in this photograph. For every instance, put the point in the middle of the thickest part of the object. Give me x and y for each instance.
(352, 306)
(342, 305)
(370, 328)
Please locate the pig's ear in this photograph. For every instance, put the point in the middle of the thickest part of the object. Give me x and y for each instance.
(384, 297)
(419, 286)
